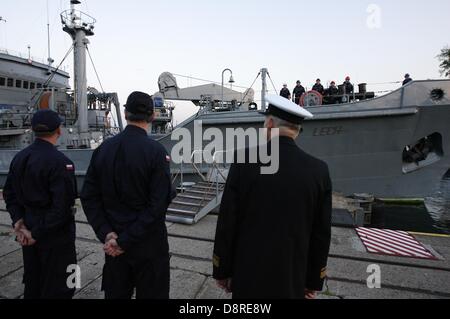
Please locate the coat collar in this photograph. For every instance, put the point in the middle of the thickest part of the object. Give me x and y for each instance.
(287, 140)
(136, 130)
(41, 142)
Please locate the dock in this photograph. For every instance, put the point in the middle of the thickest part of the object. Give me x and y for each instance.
(191, 248)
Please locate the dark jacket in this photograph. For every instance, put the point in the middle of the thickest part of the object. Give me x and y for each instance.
(127, 190)
(41, 189)
(318, 88)
(273, 232)
(285, 93)
(333, 90)
(407, 81)
(348, 86)
(298, 92)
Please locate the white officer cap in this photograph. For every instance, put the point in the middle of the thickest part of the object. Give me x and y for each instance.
(286, 110)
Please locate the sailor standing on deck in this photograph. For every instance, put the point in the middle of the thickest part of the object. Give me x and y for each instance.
(40, 194)
(273, 233)
(125, 197)
(407, 79)
(285, 92)
(348, 86)
(299, 90)
(318, 87)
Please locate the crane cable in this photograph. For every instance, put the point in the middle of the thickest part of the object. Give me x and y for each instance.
(95, 69)
(99, 81)
(248, 90)
(274, 87)
(46, 83)
(203, 80)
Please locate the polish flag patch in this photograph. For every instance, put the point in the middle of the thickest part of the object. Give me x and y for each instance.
(70, 168)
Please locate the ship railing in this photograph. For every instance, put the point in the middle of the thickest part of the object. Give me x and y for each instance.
(77, 19)
(14, 121)
(162, 115)
(25, 56)
(214, 173)
(103, 124)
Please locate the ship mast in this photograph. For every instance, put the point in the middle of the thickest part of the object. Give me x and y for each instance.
(79, 26)
(264, 72)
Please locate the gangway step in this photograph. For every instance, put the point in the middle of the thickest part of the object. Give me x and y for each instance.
(194, 204)
(204, 191)
(175, 211)
(185, 203)
(200, 187)
(185, 195)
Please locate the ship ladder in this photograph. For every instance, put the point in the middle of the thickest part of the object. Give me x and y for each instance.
(194, 203)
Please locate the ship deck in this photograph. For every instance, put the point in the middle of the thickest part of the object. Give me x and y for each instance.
(191, 266)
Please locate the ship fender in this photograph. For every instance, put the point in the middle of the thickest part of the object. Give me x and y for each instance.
(44, 101)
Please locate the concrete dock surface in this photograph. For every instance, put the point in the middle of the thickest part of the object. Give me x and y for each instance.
(191, 265)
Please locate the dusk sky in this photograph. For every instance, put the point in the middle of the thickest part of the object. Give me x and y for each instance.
(136, 40)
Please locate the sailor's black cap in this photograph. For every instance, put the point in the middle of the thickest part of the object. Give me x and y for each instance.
(139, 103)
(286, 110)
(45, 121)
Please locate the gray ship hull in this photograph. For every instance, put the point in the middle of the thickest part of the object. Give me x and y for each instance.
(363, 143)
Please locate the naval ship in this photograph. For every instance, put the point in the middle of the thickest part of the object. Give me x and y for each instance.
(89, 116)
(392, 146)
(396, 145)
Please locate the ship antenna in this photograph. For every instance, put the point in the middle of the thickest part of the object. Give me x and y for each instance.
(49, 60)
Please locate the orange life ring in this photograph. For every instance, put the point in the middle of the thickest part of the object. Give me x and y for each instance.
(316, 95)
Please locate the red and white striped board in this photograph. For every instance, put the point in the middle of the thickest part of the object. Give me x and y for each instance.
(392, 243)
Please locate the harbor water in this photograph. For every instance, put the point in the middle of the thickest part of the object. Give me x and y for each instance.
(431, 217)
(439, 207)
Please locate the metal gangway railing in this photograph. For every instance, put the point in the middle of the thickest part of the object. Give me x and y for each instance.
(196, 200)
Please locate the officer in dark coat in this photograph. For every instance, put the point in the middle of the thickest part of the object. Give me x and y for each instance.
(273, 232)
(299, 90)
(285, 92)
(40, 193)
(318, 87)
(125, 197)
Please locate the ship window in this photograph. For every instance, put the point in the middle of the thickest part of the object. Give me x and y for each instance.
(2, 81)
(10, 83)
(32, 85)
(26, 85)
(19, 84)
(39, 85)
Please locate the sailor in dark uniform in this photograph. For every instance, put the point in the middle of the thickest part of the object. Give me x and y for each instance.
(407, 79)
(125, 197)
(299, 90)
(348, 86)
(331, 94)
(285, 92)
(318, 87)
(40, 193)
(273, 232)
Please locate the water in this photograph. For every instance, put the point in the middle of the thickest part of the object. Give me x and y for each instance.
(432, 217)
(438, 207)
